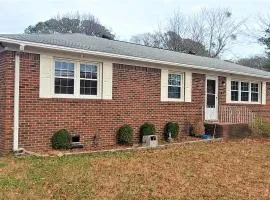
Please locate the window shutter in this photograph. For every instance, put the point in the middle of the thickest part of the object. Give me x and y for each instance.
(228, 89)
(263, 92)
(188, 86)
(164, 85)
(107, 80)
(45, 82)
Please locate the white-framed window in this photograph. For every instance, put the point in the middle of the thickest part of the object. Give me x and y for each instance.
(254, 92)
(64, 77)
(175, 85)
(245, 91)
(76, 79)
(88, 79)
(235, 91)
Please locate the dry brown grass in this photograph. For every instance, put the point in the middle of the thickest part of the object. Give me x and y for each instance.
(226, 170)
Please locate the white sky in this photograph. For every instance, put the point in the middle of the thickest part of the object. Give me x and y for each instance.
(131, 17)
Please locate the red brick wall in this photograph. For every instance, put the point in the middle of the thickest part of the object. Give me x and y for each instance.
(7, 62)
(136, 99)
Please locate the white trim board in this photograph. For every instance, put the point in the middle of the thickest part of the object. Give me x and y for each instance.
(16, 103)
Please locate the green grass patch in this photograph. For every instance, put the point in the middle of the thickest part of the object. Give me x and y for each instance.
(225, 170)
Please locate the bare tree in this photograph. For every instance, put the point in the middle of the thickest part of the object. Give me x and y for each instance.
(221, 29)
(149, 39)
(214, 29)
(254, 62)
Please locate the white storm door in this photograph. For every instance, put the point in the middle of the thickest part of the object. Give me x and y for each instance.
(211, 98)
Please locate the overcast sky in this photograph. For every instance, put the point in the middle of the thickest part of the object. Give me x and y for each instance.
(131, 17)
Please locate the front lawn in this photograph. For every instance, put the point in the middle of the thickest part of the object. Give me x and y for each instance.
(221, 170)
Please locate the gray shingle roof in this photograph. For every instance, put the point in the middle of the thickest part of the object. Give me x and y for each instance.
(84, 42)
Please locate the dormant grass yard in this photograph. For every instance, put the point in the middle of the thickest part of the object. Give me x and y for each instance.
(221, 170)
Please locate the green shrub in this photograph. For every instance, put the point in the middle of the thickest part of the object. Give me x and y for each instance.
(61, 139)
(125, 134)
(261, 128)
(173, 128)
(147, 129)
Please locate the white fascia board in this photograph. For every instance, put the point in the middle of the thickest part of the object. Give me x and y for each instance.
(111, 55)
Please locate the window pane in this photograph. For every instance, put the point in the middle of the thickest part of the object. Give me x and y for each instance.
(94, 68)
(57, 72)
(57, 65)
(254, 87)
(93, 84)
(94, 75)
(88, 87)
(82, 70)
(64, 66)
(88, 68)
(57, 89)
(234, 85)
(174, 79)
(211, 86)
(234, 95)
(64, 86)
(174, 92)
(244, 86)
(174, 86)
(88, 82)
(254, 97)
(70, 90)
(88, 75)
(64, 69)
(87, 91)
(94, 91)
(88, 71)
(244, 96)
(211, 102)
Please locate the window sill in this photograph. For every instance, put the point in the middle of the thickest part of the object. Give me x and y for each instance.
(172, 100)
(244, 102)
(66, 96)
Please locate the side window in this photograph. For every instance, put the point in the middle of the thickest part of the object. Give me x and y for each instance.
(244, 91)
(234, 90)
(174, 86)
(88, 79)
(254, 92)
(64, 77)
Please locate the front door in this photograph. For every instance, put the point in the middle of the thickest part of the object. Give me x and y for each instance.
(211, 98)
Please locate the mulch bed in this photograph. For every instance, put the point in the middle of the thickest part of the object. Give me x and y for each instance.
(96, 148)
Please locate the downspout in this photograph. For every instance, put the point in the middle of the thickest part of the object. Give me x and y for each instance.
(16, 101)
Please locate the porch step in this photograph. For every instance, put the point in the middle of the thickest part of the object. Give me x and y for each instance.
(228, 130)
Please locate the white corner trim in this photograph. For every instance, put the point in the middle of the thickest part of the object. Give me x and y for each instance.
(263, 93)
(16, 103)
(113, 55)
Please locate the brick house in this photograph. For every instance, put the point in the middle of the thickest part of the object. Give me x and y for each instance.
(92, 86)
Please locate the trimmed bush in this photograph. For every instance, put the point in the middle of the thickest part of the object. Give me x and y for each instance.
(198, 129)
(173, 128)
(147, 129)
(125, 134)
(61, 139)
